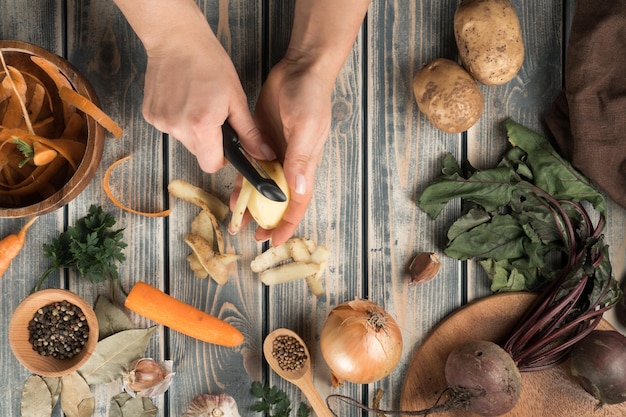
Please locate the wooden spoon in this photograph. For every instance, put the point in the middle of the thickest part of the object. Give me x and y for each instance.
(302, 377)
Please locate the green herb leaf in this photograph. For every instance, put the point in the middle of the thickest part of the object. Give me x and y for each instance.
(274, 402)
(25, 149)
(90, 246)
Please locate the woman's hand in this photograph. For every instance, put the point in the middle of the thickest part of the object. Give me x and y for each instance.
(191, 85)
(293, 113)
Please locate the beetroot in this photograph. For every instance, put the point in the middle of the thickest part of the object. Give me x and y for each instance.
(599, 363)
(487, 374)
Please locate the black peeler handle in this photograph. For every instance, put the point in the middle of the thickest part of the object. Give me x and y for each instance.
(234, 152)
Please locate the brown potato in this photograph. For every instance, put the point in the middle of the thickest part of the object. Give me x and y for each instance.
(448, 95)
(489, 39)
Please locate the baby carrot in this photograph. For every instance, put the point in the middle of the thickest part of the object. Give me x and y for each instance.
(11, 245)
(154, 304)
(43, 154)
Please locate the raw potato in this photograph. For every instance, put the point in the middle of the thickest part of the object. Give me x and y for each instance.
(266, 213)
(448, 95)
(489, 40)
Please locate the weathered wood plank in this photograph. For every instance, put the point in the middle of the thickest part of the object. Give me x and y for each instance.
(335, 216)
(204, 368)
(404, 152)
(105, 49)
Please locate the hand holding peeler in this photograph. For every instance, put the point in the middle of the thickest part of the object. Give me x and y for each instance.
(248, 166)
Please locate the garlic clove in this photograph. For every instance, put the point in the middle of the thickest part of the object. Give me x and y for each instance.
(148, 378)
(424, 267)
(209, 405)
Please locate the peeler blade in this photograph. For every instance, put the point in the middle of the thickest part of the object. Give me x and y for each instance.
(249, 167)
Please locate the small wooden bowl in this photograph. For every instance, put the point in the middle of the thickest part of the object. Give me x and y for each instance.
(18, 54)
(19, 334)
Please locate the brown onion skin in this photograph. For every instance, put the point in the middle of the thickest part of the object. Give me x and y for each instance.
(345, 355)
(598, 362)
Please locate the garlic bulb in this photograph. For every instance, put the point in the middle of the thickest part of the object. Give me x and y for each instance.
(208, 405)
(148, 378)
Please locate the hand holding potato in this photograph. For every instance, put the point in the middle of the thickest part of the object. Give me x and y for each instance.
(266, 212)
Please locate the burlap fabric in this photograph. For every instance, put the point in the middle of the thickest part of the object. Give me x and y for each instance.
(588, 118)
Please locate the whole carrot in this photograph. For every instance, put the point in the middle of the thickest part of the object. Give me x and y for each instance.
(11, 245)
(154, 304)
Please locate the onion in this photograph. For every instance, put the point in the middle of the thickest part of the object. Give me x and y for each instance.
(360, 342)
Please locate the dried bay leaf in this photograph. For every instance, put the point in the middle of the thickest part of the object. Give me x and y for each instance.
(115, 354)
(125, 405)
(54, 386)
(36, 398)
(76, 399)
(111, 319)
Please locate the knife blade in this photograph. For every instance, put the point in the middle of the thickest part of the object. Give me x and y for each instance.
(249, 167)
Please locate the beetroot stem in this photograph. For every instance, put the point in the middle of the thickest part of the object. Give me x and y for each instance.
(553, 324)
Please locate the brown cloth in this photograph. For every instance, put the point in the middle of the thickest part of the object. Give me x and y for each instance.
(588, 118)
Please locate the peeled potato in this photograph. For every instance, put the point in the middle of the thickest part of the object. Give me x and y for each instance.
(266, 213)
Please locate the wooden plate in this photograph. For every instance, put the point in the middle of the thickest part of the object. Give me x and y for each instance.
(551, 393)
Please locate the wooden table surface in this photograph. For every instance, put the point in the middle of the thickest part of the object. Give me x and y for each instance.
(380, 154)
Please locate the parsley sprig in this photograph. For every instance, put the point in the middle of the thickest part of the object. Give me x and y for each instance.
(25, 149)
(90, 246)
(274, 402)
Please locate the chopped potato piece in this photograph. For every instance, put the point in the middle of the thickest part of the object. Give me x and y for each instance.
(297, 258)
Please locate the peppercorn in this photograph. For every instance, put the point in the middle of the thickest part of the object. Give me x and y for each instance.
(58, 330)
(289, 353)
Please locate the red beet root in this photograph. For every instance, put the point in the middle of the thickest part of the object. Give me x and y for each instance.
(599, 363)
(485, 372)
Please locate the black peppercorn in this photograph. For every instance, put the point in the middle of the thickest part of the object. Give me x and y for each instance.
(58, 330)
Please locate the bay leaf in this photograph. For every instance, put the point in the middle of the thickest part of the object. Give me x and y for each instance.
(54, 386)
(115, 354)
(125, 405)
(76, 399)
(36, 398)
(111, 318)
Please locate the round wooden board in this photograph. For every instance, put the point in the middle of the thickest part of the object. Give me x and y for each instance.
(545, 393)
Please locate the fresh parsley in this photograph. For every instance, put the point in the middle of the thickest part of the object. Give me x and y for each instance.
(274, 402)
(90, 246)
(25, 149)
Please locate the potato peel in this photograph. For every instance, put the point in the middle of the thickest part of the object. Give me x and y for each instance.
(206, 238)
(199, 197)
(214, 263)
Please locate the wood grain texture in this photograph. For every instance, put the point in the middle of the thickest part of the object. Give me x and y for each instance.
(403, 153)
(335, 216)
(379, 155)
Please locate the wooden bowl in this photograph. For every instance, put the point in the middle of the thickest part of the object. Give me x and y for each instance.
(19, 334)
(68, 185)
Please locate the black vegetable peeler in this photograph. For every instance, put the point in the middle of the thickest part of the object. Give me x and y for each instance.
(249, 167)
